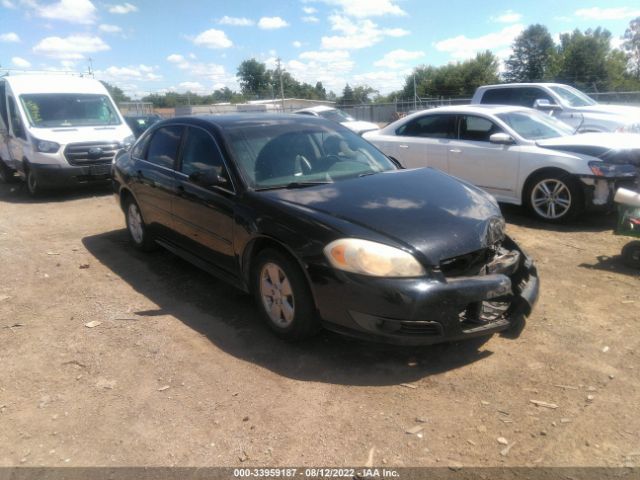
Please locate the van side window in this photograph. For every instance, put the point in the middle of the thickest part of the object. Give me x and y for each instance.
(163, 148)
(16, 122)
(3, 106)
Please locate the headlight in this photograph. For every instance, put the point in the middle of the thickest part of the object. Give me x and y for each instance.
(46, 146)
(603, 169)
(371, 258)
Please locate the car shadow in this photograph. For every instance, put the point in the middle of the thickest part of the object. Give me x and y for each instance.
(587, 222)
(228, 318)
(611, 264)
(17, 193)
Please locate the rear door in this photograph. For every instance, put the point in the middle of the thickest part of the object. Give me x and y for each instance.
(424, 141)
(204, 215)
(153, 181)
(474, 158)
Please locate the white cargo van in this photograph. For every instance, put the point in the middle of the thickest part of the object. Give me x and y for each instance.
(58, 130)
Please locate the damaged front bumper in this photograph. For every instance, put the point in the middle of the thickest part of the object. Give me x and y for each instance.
(430, 310)
(599, 191)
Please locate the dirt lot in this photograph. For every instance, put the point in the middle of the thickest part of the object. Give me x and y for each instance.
(181, 371)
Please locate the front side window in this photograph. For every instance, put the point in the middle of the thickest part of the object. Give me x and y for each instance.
(164, 145)
(55, 110)
(430, 126)
(201, 153)
(527, 96)
(477, 129)
(573, 97)
(16, 121)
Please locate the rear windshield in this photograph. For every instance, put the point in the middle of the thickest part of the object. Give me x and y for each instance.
(336, 115)
(51, 110)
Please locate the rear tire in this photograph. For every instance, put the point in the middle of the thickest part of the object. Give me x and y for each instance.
(283, 297)
(554, 197)
(7, 174)
(631, 254)
(139, 235)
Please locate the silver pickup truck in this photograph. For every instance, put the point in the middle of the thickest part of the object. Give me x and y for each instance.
(565, 103)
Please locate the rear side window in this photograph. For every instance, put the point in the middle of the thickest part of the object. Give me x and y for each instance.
(164, 145)
(201, 153)
(429, 126)
(477, 129)
(497, 96)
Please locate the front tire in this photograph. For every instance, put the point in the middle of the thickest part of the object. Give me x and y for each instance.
(139, 234)
(7, 174)
(33, 184)
(554, 197)
(283, 297)
(631, 254)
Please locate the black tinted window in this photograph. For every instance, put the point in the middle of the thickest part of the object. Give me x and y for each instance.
(163, 148)
(521, 96)
(201, 153)
(477, 128)
(16, 121)
(432, 126)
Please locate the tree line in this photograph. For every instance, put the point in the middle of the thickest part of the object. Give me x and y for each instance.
(584, 59)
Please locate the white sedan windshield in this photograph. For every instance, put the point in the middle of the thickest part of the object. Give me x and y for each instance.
(535, 126)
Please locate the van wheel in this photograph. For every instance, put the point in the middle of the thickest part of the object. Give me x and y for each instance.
(7, 174)
(283, 296)
(33, 186)
(554, 197)
(138, 233)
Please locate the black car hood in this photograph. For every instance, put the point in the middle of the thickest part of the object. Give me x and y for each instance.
(423, 210)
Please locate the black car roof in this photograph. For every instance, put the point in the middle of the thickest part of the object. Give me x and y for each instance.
(247, 118)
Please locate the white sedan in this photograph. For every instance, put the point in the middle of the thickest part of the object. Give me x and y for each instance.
(339, 116)
(519, 155)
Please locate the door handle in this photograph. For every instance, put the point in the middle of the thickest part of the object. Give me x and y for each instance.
(403, 146)
(455, 150)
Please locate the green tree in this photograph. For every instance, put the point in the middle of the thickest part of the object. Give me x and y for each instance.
(532, 57)
(347, 95)
(631, 46)
(361, 94)
(585, 59)
(254, 79)
(320, 92)
(116, 93)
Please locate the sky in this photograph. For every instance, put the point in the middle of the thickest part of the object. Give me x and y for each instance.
(146, 46)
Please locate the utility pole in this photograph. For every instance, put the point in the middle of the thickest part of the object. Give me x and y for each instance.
(90, 66)
(281, 86)
(415, 93)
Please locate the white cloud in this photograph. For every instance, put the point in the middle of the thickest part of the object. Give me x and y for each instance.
(462, 47)
(20, 62)
(133, 72)
(195, 87)
(175, 58)
(213, 38)
(398, 58)
(309, 10)
(123, 9)
(72, 11)
(236, 21)
(9, 37)
(616, 42)
(73, 47)
(366, 8)
(597, 13)
(507, 17)
(272, 23)
(296, 44)
(106, 28)
(310, 19)
(325, 56)
(384, 81)
(8, 4)
(328, 67)
(357, 34)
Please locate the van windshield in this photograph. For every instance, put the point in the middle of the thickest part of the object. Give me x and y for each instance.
(51, 110)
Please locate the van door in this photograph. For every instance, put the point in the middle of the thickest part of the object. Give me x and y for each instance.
(17, 135)
(4, 124)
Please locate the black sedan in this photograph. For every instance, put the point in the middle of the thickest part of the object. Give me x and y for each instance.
(324, 229)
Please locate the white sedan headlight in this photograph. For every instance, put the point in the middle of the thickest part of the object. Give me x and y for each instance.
(372, 258)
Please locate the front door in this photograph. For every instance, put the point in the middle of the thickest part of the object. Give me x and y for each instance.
(204, 214)
(17, 136)
(489, 166)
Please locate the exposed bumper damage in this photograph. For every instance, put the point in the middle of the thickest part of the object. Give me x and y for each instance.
(471, 295)
(599, 192)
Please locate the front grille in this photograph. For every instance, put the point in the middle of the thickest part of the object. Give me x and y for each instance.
(465, 265)
(91, 153)
(420, 328)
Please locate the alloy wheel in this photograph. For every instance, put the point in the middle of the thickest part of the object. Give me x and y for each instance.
(136, 226)
(551, 199)
(277, 295)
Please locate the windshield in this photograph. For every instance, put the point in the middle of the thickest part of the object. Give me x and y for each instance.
(336, 115)
(277, 155)
(50, 110)
(535, 126)
(573, 97)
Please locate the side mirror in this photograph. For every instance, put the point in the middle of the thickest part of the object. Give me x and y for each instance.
(502, 139)
(208, 178)
(544, 104)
